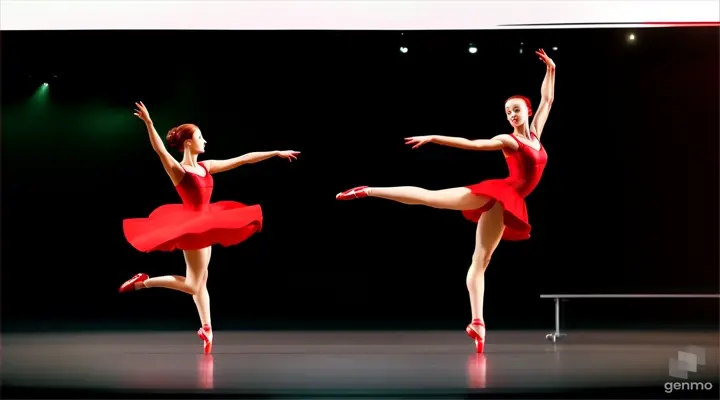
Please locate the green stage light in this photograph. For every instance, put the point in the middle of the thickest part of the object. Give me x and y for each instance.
(41, 96)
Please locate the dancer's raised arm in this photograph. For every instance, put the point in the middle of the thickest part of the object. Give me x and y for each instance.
(171, 165)
(496, 143)
(547, 91)
(215, 166)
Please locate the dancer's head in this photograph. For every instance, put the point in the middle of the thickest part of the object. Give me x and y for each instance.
(517, 110)
(186, 137)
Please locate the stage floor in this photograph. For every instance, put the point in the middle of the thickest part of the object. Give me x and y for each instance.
(300, 364)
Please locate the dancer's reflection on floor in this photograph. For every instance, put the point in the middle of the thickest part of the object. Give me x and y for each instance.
(477, 371)
(206, 371)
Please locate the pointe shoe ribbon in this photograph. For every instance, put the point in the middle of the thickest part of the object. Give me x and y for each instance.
(354, 193)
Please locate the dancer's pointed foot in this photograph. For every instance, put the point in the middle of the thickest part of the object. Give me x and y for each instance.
(476, 331)
(134, 283)
(205, 333)
(354, 193)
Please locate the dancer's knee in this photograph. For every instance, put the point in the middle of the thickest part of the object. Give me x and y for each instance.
(479, 265)
(421, 196)
(205, 278)
(460, 198)
(431, 196)
(443, 198)
(481, 259)
(194, 287)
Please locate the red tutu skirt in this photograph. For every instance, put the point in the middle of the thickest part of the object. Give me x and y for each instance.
(515, 211)
(174, 227)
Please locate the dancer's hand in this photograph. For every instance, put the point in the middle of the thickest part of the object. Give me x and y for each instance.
(142, 112)
(418, 141)
(544, 58)
(289, 154)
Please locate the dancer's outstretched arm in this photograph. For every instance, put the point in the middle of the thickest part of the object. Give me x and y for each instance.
(215, 166)
(171, 165)
(497, 143)
(547, 91)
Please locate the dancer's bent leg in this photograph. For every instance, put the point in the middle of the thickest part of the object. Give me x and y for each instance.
(197, 263)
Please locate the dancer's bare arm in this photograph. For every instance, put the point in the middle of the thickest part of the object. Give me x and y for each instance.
(215, 166)
(547, 91)
(173, 168)
(498, 142)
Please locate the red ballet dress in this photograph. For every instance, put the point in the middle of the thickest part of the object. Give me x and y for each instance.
(196, 223)
(525, 167)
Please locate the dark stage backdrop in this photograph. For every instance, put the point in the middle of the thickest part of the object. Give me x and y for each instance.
(628, 203)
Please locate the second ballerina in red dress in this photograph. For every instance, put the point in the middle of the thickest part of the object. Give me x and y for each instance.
(197, 224)
(498, 205)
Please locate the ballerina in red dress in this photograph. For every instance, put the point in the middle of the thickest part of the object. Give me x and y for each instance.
(497, 205)
(196, 224)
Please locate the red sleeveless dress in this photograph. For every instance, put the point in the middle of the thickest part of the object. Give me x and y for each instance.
(196, 223)
(525, 167)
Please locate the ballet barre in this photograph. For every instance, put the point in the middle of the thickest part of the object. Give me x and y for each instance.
(553, 337)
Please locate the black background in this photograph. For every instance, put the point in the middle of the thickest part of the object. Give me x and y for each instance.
(628, 202)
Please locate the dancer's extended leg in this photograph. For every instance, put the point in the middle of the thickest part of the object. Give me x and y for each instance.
(460, 198)
(488, 235)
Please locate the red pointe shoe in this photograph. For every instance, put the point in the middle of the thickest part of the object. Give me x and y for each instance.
(354, 193)
(479, 338)
(207, 341)
(129, 284)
